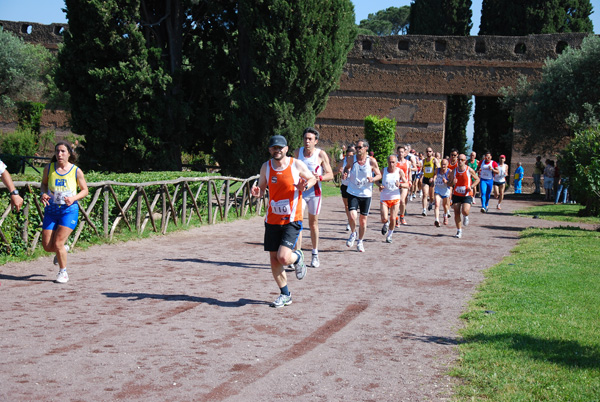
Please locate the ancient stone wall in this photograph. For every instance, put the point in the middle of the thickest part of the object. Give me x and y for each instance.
(47, 35)
(409, 77)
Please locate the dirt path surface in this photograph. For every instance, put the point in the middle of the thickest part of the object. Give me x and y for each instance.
(185, 317)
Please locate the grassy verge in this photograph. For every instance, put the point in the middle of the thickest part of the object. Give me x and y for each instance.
(532, 329)
(558, 212)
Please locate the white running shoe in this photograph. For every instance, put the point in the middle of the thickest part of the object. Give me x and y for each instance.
(385, 228)
(449, 215)
(360, 247)
(62, 276)
(314, 262)
(458, 234)
(437, 223)
(56, 258)
(351, 239)
(465, 220)
(282, 300)
(424, 213)
(300, 266)
(347, 227)
(388, 239)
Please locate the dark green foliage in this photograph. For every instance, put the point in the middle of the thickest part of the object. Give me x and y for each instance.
(290, 55)
(516, 18)
(526, 17)
(21, 142)
(381, 134)
(121, 93)
(22, 70)
(440, 17)
(580, 162)
(149, 78)
(446, 17)
(391, 21)
(495, 131)
(566, 99)
(29, 115)
(457, 117)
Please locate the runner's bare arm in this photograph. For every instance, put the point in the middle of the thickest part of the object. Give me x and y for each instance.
(308, 178)
(327, 172)
(259, 190)
(375, 168)
(450, 179)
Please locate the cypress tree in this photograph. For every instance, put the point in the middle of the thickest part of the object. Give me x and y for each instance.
(446, 17)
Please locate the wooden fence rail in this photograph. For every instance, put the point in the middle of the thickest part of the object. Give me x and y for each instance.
(207, 198)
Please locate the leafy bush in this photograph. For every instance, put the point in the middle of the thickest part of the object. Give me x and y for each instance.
(380, 132)
(30, 115)
(580, 161)
(21, 142)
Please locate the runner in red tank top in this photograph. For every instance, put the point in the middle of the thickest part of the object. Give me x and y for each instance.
(463, 179)
(286, 178)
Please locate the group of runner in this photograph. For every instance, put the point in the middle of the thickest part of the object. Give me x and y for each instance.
(294, 185)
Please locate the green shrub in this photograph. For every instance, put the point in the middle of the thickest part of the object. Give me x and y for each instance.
(580, 161)
(21, 142)
(380, 132)
(30, 115)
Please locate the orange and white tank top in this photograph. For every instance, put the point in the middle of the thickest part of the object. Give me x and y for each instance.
(453, 167)
(462, 181)
(285, 201)
(404, 166)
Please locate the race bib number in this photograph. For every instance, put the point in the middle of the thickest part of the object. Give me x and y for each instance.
(59, 197)
(461, 189)
(282, 207)
(428, 169)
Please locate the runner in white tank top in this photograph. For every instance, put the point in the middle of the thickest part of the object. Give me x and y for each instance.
(318, 163)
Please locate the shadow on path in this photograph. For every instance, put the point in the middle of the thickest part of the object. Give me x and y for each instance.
(186, 298)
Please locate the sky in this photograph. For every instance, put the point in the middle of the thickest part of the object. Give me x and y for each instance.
(49, 11)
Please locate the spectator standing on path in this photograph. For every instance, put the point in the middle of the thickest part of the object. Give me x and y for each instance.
(60, 181)
(487, 169)
(361, 176)
(348, 160)
(16, 201)
(518, 179)
(473, 163)
(500, 180)
(538, 169)
(548, 179)
(392, 179)
(317, 162)
(563, 188)
(286, 178)
(463, 179)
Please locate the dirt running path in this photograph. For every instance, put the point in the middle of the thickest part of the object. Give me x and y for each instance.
(186, 317)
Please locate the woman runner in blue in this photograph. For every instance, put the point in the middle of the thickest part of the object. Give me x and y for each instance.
(60, 181)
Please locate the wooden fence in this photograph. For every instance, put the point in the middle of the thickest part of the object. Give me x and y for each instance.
(207, 198)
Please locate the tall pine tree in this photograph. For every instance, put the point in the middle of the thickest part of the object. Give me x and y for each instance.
(149, 78)
(493, 124)
(446, 17)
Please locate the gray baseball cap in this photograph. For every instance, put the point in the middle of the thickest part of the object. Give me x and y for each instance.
(277, 141)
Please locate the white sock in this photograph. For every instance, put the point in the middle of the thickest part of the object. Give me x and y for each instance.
(315, 251)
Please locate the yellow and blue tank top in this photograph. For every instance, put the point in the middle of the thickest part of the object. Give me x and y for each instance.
(61, 186)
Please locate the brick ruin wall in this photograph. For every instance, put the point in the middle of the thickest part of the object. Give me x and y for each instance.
(407, 78)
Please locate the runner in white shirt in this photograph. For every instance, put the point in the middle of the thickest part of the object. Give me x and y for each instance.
(318, 163)
(390, 196)
(500, 180)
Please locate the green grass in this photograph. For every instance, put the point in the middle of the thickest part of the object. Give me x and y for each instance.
(533, 329)
(558, 212)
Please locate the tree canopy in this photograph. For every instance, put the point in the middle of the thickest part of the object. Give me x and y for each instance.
(23, 68)
(493, 124)
(149, 78)
(391, 21)
(567, 98)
